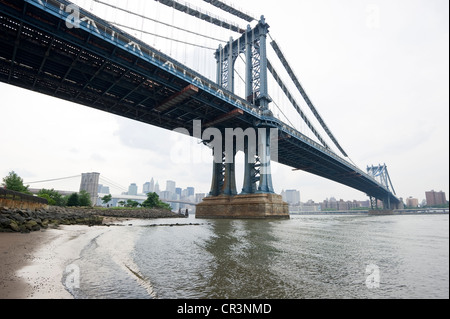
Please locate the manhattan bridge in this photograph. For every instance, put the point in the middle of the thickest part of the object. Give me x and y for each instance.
(175, 65)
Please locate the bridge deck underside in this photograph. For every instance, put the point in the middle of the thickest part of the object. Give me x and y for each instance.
(301, 156)
(40, 53)
(73, 65)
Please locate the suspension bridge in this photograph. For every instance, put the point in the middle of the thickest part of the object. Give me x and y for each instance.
(153, 70)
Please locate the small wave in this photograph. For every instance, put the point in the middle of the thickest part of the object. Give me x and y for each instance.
(120, 244)
(143, 281)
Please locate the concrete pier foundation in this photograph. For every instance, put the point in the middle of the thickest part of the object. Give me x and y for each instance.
(249, 206)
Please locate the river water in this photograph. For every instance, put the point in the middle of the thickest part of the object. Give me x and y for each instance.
(328, 256)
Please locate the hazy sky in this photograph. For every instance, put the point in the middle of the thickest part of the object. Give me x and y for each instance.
(377, 71)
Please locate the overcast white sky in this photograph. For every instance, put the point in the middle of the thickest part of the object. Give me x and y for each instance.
(377, 71)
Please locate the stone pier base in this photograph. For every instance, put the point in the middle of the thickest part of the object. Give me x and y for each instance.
(255, 206)
(381, 212)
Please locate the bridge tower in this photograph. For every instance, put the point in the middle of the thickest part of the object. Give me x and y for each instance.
(257, 199)
(380, 173)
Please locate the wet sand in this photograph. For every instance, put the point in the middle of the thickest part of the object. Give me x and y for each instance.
(32, 265)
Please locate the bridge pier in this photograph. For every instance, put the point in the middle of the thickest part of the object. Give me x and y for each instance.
(255, 202)
(244, 206)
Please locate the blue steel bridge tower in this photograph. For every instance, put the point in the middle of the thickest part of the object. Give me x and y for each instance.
(257, 173)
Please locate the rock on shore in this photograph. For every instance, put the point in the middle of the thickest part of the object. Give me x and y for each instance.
(25, 220)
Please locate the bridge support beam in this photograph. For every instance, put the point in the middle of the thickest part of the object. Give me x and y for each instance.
(251, 169)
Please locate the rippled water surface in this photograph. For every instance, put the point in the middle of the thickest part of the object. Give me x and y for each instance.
(331, 256)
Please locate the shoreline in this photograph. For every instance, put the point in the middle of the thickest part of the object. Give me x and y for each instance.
(32, 265)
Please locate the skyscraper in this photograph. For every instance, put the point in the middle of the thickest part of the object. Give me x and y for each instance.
(171, 187)
(190, 191)
(292, 196)
(132, 189)
(152, 185)
(146, 188)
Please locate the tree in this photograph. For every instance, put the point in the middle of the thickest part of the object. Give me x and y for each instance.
(14, 182)
(54, 198)
(73, 200)
(106, 199)
(84, 199)
(132, 203)
(50, 201)
(153, 201)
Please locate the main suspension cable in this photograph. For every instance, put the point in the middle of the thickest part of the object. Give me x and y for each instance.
(163, 37)
(157, 21)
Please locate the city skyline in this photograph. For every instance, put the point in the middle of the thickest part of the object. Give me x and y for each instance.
(293, 196)
(381, 87)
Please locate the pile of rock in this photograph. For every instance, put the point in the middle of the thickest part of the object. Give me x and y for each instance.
(26, 220)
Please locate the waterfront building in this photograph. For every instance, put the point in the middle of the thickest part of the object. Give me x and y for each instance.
(412, 202)
(330, 204)
(435, 198)
(292, 197)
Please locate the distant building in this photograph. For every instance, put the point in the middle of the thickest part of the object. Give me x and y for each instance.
(309, 206)
(190, 191)
(412, 202)
(342, 205)
(103, 189)
(165, 195)
(146, 188)
(152, 186)
(89, 183)
(329, 204)
(292, 197)
(364, 203)
(171, 187)
(435, 198)
(132, 189)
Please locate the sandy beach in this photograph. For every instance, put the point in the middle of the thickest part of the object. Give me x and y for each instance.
(32, 265)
